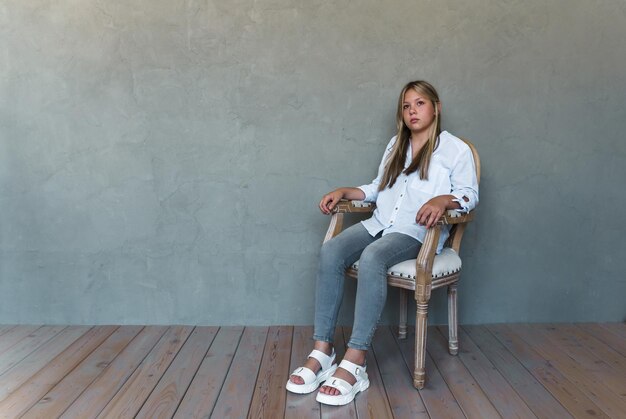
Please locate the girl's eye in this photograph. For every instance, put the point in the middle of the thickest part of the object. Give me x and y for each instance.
(405, 106)
(420, 103)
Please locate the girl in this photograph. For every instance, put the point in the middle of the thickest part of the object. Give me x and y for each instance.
(423, 173)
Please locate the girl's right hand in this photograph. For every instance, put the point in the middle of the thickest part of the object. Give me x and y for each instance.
(330, 200)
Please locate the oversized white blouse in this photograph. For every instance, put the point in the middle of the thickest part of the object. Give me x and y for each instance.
(452, 172)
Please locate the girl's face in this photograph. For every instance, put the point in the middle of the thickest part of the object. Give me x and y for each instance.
(418, 112)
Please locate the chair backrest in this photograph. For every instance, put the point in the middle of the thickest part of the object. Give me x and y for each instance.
(456, 232)
(476, 157)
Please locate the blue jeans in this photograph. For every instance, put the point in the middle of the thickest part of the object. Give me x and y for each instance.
(376, 255)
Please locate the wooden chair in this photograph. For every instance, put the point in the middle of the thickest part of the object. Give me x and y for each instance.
(421, 275)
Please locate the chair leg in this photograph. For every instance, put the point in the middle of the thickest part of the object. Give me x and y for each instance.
(421, 326)
(453, 340)
(403, 313)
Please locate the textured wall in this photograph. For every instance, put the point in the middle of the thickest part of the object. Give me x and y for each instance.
(161, 161)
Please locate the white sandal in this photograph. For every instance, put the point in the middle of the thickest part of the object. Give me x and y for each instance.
(311, 380)
(347, 391)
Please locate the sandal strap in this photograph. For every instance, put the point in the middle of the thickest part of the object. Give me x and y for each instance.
(352, 368)
(343, 386)
(325, 360)
(306, 374)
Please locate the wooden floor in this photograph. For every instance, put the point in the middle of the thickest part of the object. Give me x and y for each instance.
(546, 371)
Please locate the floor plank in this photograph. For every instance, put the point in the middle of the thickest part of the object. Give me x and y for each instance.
(38, 359)
(5, 328)
(603, 335)
(468, 393)
(617, 328)
(372, 403)
(64, 393)
(502, 395)
(404, 399)
(14, 335)
(567, 393)
(166, 397)
(96, 396)
(20, 350)
(131, 396)
(299, 406)
(236, 395)
(555, 370)
(580, 375)
(595, 357)
(39, 384)
(207, 384)
(437, 397)
(268, 400)
(540, 400)
(348, 410)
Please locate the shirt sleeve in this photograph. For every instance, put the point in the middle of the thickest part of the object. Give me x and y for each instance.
(371, 190)
(464, 181)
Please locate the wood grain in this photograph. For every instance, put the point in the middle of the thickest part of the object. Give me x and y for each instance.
(298, 406)
(439, 401)
(269, 396)
(348, 410)
(13, 335)
(496, 387)
(541, 402)
(468, 393)
(404, 399)
(5, 328)
(578, 373)
(166, 397)
(567, 393)
(610, 339)
(207, 384)
(372, 403)
(131, 396)
(20, 373)
(39, 384)
(96, 396)
(26, 346)
(236, 395)
(64, 393)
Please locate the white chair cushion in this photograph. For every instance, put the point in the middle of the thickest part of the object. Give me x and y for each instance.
(445, 263)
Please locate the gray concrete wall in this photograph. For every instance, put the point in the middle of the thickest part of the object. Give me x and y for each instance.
(161, 161)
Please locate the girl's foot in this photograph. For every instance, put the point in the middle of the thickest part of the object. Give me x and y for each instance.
(356, 357)
(312, 363)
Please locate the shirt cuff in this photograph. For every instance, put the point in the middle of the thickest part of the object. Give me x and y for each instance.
(464, 204)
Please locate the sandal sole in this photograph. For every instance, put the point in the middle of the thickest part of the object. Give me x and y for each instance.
(343, 399)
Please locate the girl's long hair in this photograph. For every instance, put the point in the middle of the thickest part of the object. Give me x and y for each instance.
(394, 164)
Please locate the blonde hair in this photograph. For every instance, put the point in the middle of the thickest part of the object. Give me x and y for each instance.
(394, 164)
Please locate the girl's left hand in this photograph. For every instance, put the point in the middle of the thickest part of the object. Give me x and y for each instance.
(431, 211)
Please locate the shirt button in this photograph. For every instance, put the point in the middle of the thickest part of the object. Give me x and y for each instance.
(391, 221)
(404, 180)
(401, 195)
(396, 208)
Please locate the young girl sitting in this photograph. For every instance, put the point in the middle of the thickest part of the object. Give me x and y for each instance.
(423, 173)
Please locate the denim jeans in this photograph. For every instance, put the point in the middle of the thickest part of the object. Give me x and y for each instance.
(375, 255)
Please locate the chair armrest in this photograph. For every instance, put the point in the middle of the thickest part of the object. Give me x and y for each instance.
(451, 217)
(343, 207)
(346, 206)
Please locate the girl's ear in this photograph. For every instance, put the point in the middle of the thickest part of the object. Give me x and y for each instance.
(439, 107)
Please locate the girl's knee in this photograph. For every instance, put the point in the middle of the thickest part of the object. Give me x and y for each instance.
(370, 258)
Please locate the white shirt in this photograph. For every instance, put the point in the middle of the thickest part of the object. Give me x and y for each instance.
(452, 172)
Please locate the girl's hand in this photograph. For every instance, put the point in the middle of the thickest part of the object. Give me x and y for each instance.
(431, 211)
(330, 200)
